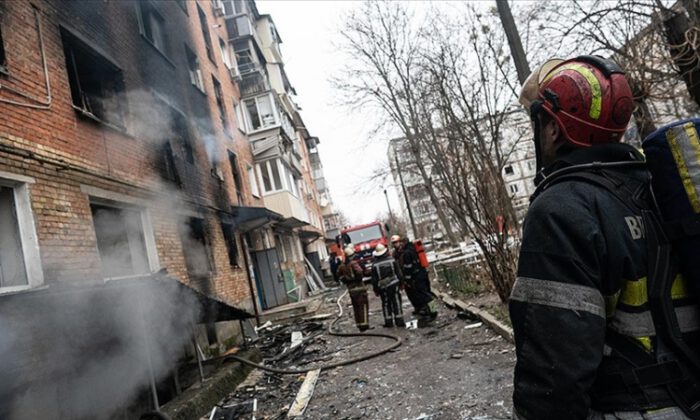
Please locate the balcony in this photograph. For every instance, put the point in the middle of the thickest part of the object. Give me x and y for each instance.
(286, 204)
(253, 80)
(239, 27)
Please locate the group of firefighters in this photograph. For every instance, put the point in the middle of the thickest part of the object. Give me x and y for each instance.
(390, 273)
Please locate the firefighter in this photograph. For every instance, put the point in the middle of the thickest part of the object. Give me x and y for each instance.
(586, 342)
(415, 278)
(386, 280)
(350, 274)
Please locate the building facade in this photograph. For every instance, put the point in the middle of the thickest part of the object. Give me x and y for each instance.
(142, 137)
(518, 174)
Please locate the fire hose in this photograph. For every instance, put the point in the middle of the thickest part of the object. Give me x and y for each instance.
(331, 331)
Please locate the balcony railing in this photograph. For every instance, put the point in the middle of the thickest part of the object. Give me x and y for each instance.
(253, 82)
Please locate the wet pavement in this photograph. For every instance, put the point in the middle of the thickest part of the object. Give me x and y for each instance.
(453, 369)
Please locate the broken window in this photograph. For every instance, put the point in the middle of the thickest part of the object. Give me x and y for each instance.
(205, 33)
(508, 170)
(195, 248)
(260, 112)
(151, 24)
(231, 246)
(120, 240)
(233, 160)
(194, 69)
(12, 267)
(219, 95)
(97, 85)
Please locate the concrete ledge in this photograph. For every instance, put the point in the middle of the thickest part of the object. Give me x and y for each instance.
(488, 319)
(199, 400)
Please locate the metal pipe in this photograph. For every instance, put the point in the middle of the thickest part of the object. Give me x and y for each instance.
(144, 331)
(199, 356)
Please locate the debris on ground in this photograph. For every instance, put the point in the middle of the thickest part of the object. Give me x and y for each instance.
(448, 369)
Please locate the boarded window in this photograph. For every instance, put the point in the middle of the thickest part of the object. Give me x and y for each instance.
(120, 240)
(97, 86)
(12, 267)
(195, 248)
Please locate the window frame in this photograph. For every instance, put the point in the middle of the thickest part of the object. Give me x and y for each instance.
(143, 19)
(196, 77)
(225, 54)
(249, 118)
(108, 198)
(206, 33)
(220, 104)
(236, 174)
(72, 43)
(253, 181)
(231, 243)
(206, 243)
(26, 227)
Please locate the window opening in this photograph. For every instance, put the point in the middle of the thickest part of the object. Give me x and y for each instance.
(12, 264)
(508, 170)
(194, 69)
(120, 240)
(253, 182)
(195, 248)
(233, 160)
(275, 174)
(225, 53)
(96, 85)
(152, 25)
(231, 245)
(205, 32)
(3, 64)
(218, 94)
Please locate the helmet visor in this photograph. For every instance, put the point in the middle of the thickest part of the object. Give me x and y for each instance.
(531, 87)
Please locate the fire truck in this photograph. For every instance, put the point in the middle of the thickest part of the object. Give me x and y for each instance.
(365, 238)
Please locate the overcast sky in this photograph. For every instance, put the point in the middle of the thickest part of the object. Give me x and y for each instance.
(309, 32)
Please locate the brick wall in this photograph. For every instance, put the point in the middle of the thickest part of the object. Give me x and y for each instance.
(63, 150)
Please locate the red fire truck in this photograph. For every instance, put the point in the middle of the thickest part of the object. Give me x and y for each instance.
(365, 238)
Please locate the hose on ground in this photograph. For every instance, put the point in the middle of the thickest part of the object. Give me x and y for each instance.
(331, 331)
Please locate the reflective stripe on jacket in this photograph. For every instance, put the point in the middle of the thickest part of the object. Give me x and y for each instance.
(582, 281)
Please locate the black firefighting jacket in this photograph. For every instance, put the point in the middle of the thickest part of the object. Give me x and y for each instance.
(579, 305)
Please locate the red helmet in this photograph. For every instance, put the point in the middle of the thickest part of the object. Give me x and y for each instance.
(588, 97)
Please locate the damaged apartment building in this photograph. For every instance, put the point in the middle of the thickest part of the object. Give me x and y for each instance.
(155, 185)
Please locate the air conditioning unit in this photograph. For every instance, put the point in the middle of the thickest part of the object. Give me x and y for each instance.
(234, 73)
(218, 8)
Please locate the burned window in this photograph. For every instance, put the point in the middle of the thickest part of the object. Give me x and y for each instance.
(194, 69)
(180, 135)
(233, 160)
(195, 248)
(120, 240)
(205, 33)
(218, 93)
(12, 267)
(509, 170)
(152, 25)
(231, 246)
(96, 85)
(169, 168)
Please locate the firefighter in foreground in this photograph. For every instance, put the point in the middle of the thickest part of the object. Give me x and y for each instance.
(350, 274)
(586, 343)
(386, 282)
(416, 281)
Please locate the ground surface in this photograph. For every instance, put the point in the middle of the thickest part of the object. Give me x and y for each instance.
(450, 370)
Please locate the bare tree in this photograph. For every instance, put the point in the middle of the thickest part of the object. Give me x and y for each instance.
(629, 31)
(449, 98)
